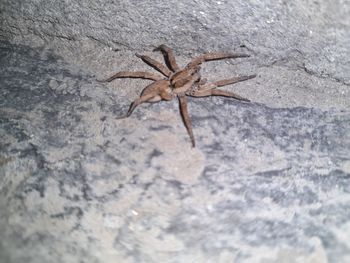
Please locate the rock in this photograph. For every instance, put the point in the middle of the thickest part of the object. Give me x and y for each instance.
(262, 180)
(267, 182)
(311, 35)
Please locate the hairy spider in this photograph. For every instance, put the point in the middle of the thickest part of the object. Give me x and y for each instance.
(177, 82)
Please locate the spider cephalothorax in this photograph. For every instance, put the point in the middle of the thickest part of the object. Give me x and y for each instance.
(177, 82)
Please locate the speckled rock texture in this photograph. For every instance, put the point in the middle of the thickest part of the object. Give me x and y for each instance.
(269, 181)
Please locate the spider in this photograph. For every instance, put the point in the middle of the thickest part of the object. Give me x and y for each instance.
(177, 82)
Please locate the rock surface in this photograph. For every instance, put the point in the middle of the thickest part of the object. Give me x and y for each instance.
(267, 182)
(312, 35)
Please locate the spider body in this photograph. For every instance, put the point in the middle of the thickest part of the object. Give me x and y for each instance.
(180, 78)
(180, 83)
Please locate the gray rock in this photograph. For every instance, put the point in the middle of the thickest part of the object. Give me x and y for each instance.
(264, 184)
(312, 35)
(267, 182)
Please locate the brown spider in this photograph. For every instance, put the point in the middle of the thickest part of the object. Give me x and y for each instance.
(179, 82)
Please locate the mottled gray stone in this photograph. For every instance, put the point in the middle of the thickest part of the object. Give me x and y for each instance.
(313, 35)
(268, 180)
(304, 43)
(264, 184)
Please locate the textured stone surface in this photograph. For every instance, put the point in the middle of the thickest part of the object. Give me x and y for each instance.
(302, 47)
(263, 185)
(268, 181)
(313, 35)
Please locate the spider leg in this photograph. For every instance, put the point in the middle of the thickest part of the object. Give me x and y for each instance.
(213, 56)
(129, 74)
(155, 64)
(225, 82)
(169, 57)
(210, 88)
(154, 92)
(186, 118)
(136, 103)
(217, 92)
